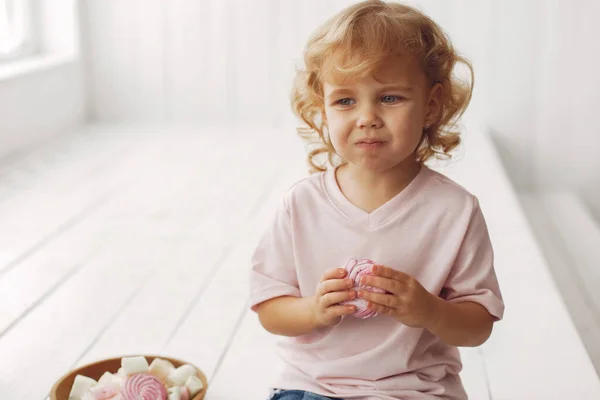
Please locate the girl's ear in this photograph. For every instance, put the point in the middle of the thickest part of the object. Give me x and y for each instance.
(434, 103)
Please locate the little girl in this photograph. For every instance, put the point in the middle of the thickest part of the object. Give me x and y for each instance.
(376, 268)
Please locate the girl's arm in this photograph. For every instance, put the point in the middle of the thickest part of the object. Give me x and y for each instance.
(466, 324)
(287, 315)
(293, 316)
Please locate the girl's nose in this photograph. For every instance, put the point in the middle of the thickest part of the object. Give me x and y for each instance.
(368, 119)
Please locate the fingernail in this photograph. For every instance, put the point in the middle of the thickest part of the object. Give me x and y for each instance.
(352, 294)
(361, 294)
(341, 271)
(349, 282)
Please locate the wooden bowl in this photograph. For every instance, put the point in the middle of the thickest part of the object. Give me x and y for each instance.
(61, 389)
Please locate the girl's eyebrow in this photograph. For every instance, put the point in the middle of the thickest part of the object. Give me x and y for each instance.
(339, 92)
(397, 86)
(389, 87)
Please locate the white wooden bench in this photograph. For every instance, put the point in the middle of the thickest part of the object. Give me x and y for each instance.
(570, 238)
(536, 352)
(160, 265)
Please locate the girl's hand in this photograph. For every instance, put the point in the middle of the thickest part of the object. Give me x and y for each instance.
(332, 289)
(407, 301)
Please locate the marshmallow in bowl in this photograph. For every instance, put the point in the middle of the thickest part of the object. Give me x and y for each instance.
(109, 380)
(178, 393)
(104, 391)
(80, 386)
(161, 369)
(179, 376)
(107, 377)
(174, 393)
(194, 385)
(134, 365)
(185, 393)
(118, 380)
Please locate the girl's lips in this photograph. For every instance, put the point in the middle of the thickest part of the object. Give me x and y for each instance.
(371, 144)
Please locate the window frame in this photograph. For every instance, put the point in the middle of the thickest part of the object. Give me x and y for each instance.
(29, 45)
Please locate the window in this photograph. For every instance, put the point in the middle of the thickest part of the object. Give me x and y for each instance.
(16, 29)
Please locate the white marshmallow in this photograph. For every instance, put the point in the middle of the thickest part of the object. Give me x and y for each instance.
(119, 380)
(87, 396)
(181, 374)
(81, 385)
(174, 393)
(134, 365)
(104, 391)
(194, 385)
(107, 377)
(161, 369)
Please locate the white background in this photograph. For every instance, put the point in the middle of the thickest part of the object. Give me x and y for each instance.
(199, 62)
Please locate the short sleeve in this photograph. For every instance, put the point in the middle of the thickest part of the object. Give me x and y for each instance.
(273, 273)
(473, 277)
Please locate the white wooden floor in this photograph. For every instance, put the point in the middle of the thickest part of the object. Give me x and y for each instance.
(132, 240)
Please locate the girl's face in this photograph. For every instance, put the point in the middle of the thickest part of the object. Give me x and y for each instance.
(376, 122)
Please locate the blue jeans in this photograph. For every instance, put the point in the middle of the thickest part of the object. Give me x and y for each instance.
(297, 395)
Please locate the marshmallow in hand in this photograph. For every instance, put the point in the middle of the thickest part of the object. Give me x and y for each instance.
(357, 268)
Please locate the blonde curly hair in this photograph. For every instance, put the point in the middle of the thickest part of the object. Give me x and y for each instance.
(364, 34)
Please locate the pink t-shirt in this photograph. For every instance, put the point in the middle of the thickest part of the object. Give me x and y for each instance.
(433, 230)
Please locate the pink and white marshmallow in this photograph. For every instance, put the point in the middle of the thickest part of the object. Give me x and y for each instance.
(357, 268)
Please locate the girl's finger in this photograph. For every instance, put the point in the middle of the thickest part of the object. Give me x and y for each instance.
(380, 309)
(331, 299)
(387, 284)
(386, 272)
(334, 273)
(333, 285)
(340, 311)
(386, 300)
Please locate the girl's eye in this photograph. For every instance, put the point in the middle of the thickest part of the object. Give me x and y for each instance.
(390, 99)
(345, 102)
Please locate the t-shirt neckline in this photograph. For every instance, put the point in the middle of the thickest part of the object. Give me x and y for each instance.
(380, 215)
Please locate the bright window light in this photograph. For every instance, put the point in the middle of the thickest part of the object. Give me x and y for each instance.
(15, 28)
